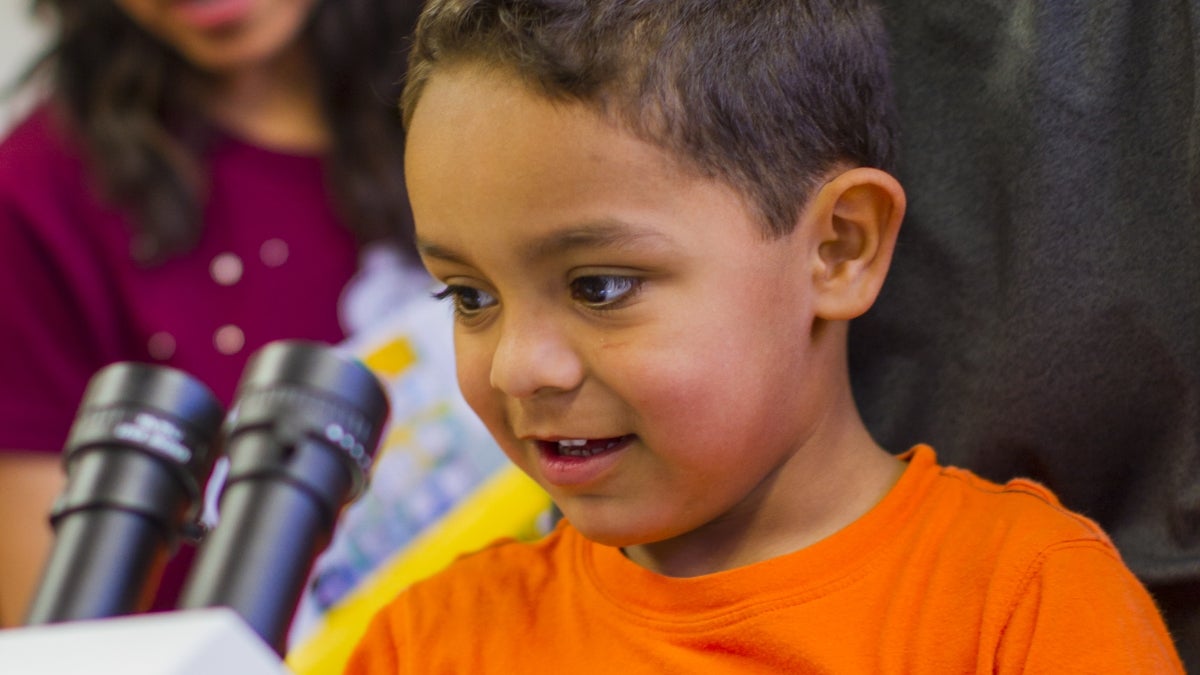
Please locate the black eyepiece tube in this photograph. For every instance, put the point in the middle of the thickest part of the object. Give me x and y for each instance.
(137, 456)
(300, 440)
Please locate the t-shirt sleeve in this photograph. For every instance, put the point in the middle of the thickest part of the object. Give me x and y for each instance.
(1083, 611)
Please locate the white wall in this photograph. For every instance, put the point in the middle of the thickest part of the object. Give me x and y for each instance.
(20, 39)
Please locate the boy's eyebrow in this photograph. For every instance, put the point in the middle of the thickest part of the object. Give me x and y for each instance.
(608, 233)
(431, 250)
(596, 234)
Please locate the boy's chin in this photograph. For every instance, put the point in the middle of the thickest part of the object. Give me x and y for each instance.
(610, 530)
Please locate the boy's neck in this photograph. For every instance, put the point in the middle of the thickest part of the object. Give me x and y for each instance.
(832, 481)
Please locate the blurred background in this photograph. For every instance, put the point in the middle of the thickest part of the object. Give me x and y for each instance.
(20, 39)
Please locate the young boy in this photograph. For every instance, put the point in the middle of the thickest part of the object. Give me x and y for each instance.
(654, 221)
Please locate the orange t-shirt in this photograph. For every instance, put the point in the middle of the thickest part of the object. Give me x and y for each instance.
(949, 573)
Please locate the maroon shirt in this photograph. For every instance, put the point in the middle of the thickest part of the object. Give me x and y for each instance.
(271, 264)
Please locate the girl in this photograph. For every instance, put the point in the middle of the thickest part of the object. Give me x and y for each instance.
(203, 177)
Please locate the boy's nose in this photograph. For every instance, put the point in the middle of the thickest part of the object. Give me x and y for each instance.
(532, 358)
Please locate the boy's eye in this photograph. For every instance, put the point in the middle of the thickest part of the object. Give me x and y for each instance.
(466, 301)
(603, 291)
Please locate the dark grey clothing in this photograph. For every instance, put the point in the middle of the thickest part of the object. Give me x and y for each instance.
(1042, 317)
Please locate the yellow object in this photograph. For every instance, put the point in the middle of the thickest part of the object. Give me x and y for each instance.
(391, 358)
(508, 504)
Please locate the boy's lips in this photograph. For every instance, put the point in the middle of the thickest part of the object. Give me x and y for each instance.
(574, 462)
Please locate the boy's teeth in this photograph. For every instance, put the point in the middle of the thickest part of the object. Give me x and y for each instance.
(580, 447)
(574, 447)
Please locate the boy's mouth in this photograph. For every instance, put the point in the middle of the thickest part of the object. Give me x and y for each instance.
(583, 447)
(576, 463)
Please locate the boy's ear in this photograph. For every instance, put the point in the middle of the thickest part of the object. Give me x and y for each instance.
(857, 217)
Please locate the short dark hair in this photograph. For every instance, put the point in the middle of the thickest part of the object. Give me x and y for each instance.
(767, 95)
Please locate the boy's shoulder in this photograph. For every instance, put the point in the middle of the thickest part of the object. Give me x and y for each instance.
(1003, 534)
(1017, 540)
(1021, 507)
(1028, 571)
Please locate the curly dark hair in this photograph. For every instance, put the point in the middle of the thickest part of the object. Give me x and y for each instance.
(133, 103)
(767, 95)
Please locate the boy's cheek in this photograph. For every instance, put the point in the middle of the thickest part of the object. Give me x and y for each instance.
(474, 375)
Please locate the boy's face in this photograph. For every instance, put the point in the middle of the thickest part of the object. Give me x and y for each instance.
(632, 340)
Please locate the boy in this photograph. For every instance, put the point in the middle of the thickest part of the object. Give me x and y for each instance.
(654, 221)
